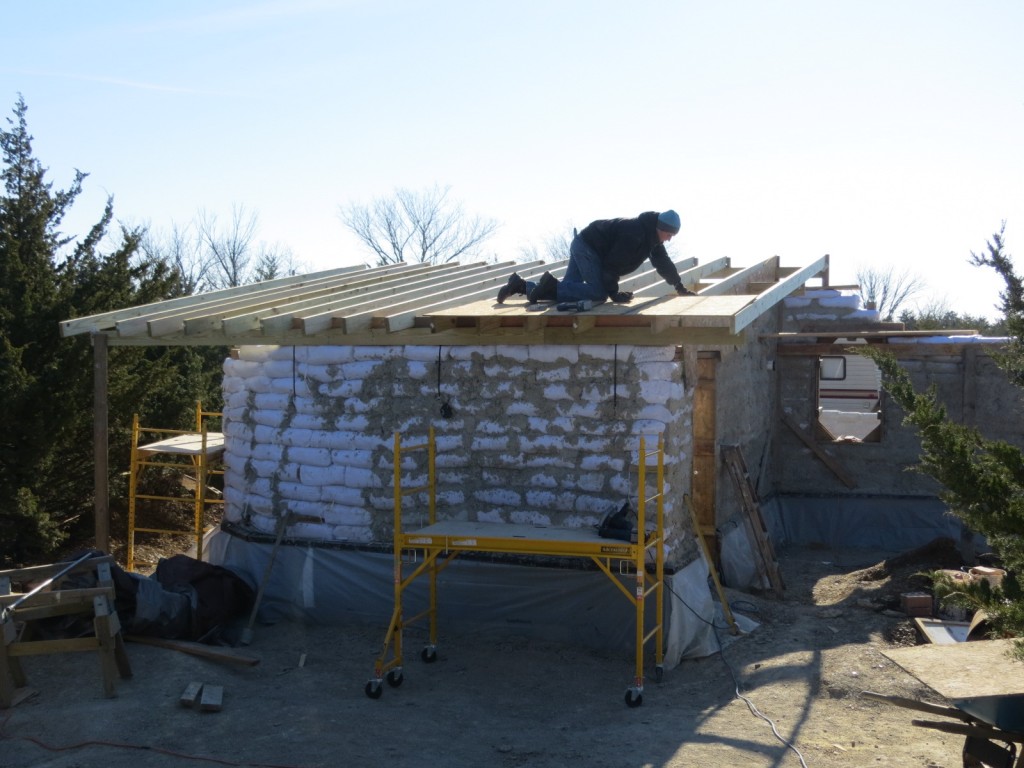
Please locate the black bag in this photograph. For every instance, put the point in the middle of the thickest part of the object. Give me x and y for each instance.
(617, 525)
(217, 595)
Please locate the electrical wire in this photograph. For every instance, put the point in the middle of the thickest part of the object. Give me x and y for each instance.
(735, 680)
(4, 736)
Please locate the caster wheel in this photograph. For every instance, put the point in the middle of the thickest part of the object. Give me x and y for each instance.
(395, 678)
(634, 698)
(374, 689)
(429, 654)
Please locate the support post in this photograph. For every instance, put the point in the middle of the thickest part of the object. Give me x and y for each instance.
(101, 501)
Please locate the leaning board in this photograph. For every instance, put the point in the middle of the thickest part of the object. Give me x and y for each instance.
(978, 677)
(962, 670)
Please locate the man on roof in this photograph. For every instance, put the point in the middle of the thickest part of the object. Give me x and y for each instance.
(600, 254)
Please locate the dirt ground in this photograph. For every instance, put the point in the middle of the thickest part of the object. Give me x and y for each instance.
(511, 702)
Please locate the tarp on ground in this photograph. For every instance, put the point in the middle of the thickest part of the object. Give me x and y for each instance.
(328, 585)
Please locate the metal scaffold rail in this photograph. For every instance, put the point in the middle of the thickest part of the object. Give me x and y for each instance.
(194, 456)
(428, 550)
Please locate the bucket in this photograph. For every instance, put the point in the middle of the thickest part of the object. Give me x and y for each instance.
(994, 576)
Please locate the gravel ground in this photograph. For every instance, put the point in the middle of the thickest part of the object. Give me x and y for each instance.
(508, 701)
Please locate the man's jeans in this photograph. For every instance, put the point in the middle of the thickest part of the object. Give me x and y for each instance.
(583, 276)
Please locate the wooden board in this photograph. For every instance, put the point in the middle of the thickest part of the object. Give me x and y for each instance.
(752, 507)
(190, 444)
(826, 458)
(700, 310)
(704, 456)
(942, 632)
(964, 670)
(212, 652)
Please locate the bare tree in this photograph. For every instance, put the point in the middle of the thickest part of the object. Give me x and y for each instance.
(229, 250)
(411, 226)
(182, 249)
(887, 290)
(209, 257)
(555, 247)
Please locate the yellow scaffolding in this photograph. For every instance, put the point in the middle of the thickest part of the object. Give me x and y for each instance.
(196, 455)
(429, 550)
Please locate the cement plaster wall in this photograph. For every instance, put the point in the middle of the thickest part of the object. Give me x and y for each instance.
(544, 434)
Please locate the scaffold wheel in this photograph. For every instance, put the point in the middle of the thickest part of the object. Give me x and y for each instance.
(634, 698)
(429, 654)
(374, 689)
(395, 678)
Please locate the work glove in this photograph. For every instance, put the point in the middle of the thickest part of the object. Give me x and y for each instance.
(682, 290)
(622, 297)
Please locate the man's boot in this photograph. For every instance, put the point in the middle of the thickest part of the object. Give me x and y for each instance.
(515, 285)
(545, 290)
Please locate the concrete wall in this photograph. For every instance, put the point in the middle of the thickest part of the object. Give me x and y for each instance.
(967, 381)
(544, 434)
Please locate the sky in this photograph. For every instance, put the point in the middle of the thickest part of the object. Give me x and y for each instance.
(885, 133)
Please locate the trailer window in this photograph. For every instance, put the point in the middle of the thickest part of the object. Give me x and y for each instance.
(832, 368)
(849, 396)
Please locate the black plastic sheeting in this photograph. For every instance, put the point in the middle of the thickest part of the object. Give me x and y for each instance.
(331, 585)
(888, 525)
(184, 599)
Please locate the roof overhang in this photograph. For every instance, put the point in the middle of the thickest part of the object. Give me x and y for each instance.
(454, 304)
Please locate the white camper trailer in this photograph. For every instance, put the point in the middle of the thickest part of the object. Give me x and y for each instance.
(848, 393)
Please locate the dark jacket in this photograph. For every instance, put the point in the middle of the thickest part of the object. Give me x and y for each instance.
(624, 244)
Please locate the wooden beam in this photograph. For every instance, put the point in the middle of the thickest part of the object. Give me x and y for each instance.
(107, 320)
(399, 307)
(212, 314)
(896, 350)
(776, 293)
(213, 653)
(100, 443)
(739, 279)
(874, 331)
(404, 303)
(817, 450)
(583, 323)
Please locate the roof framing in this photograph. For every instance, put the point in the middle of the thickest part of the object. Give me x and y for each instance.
(454, 304)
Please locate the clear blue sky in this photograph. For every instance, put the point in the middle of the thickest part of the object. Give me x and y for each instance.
(882, 132)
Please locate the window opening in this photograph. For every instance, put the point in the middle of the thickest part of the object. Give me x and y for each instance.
(849, 395)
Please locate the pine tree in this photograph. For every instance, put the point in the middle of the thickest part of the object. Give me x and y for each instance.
(983, 480)
(46, 382)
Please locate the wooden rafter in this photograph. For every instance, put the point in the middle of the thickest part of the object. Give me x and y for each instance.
(454, 304)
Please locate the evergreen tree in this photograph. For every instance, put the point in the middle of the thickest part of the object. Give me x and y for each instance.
(46, 382)
(983, 480)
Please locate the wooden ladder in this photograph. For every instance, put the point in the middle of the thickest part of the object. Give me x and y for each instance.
(733, 458)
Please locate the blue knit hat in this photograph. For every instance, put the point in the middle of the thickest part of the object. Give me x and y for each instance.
(668, 221)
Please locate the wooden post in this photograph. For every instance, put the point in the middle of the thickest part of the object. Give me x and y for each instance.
(101, 500)
(705, 459)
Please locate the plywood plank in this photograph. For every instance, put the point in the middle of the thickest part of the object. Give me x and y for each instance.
(964, 670)
(403, 302)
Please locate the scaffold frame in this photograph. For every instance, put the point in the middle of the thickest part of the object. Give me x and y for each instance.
(426, 551)
(188, 452)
